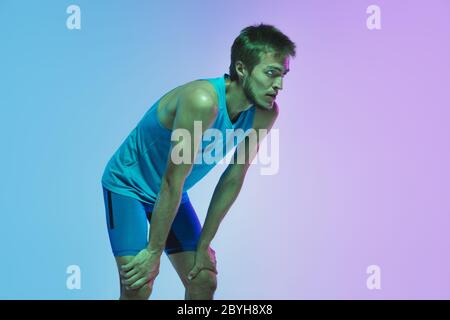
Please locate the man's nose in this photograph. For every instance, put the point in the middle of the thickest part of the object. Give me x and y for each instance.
(278, 84)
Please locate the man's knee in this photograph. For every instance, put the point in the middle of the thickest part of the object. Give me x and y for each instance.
(142, 293)
(204, 281)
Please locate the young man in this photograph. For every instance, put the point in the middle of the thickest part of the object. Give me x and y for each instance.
(142, 181)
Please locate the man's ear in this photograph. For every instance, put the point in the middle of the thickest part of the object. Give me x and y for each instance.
(241, 70)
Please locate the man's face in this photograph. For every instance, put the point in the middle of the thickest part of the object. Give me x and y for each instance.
(263, 84)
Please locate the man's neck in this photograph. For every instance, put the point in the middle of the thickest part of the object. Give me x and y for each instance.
(236, 100)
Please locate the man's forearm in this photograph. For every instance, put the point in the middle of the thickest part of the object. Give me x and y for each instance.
(163, 215)
(223, 197)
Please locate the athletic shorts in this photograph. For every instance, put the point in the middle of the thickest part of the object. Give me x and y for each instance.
(128, 219)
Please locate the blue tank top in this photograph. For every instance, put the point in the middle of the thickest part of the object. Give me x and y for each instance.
(137, 167)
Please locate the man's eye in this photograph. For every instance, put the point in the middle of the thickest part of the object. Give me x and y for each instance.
(271, 73)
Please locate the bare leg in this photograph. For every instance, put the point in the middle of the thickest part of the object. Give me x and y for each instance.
(201, 287)
(142, 293)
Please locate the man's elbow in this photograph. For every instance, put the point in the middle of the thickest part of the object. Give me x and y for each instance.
(235, 175)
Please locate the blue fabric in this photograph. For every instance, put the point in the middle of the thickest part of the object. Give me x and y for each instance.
(128, 228)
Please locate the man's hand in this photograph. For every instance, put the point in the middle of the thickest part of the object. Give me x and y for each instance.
(142, 269)
(204, 260)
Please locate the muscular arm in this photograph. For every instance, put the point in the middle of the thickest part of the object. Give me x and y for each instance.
(232, 179)
(197, 105)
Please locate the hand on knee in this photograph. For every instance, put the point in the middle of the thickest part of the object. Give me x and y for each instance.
(205, 281)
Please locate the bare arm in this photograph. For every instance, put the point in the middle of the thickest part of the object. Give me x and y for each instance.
(195, 104)
(198, 105)
(232, 179)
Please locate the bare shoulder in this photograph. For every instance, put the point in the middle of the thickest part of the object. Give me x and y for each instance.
(264, 118)
(199, 95)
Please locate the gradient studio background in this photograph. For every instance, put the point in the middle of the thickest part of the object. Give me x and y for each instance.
(364, 131)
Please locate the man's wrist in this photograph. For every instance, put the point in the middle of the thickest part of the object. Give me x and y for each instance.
(203, 245)
(155, 250)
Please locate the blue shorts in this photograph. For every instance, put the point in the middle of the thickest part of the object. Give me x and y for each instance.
(128, 228)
